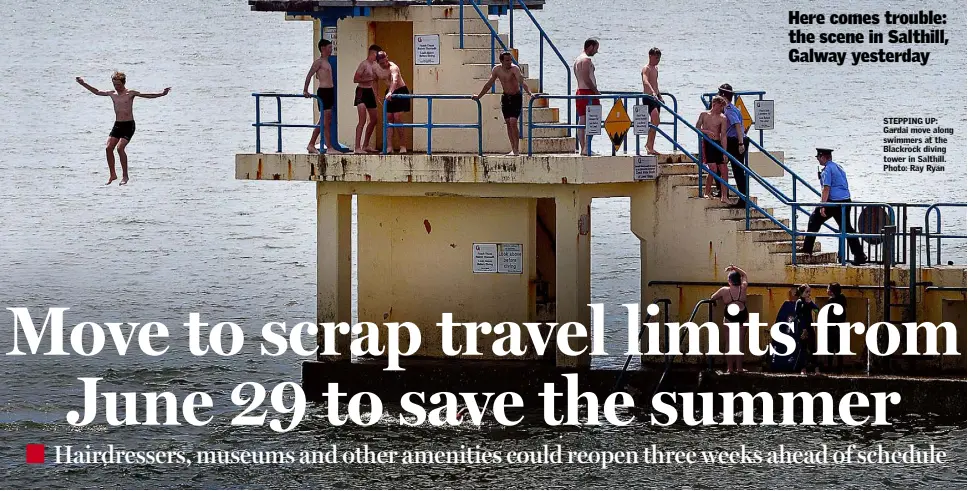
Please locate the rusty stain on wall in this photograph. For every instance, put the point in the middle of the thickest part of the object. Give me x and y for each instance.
(427, 225)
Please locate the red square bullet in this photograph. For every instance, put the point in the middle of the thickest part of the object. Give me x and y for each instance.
(35, 453)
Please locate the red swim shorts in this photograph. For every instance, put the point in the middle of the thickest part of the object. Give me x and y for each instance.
(581, 103)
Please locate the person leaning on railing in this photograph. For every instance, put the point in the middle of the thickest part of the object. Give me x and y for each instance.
(835, 190)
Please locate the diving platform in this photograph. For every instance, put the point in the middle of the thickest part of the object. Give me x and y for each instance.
(458, 226)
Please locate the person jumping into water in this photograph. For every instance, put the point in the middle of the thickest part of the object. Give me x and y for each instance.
(512, 82)
(123, 129)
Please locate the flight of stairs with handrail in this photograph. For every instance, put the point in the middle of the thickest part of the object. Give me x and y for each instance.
(476, 69)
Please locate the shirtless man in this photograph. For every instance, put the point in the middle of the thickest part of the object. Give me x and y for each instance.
(713, 124)
(123, 129)
(650, 85)
(365, 100)
(398, 105)
(585, 73)
(324, 78)
(512, 81)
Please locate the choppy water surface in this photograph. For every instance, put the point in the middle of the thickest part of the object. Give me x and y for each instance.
(184, 235)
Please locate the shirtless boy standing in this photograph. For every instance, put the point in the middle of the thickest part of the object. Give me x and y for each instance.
(650, 85)
(585, 73)
(398, 105)
(365, 100)
(324, 77)
(123, 129)
(713, 124)
(512, 81)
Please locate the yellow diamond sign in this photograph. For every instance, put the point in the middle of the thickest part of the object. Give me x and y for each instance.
(747, 119)
(617, 124)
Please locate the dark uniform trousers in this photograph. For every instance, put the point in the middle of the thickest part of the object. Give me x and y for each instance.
(817, 220)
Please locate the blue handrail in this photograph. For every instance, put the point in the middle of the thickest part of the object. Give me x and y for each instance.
(614, 96)
(430, 125)
(278, 124)
(936, 207)
(542, 37)
(494, 34)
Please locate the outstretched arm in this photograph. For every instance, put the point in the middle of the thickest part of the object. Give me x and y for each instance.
(487, 86)
(152, 96)
(92, 89)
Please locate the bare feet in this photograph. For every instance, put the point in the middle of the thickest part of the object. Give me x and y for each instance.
(511, 154)
(332, 151)
(724, 200)
(372, 150)
(123, 181)
(651, 151)
(312, 150)
(403, 149)
(111, 179)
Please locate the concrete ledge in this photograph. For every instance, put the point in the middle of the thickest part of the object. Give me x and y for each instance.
(944, 397)
(459, 168)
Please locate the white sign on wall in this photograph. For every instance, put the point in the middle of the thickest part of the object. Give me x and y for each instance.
(329, 34)
(426, 49)
(641, 117)
(498, 258)
(645, 168)
(763, 115)
(511, 258)
(485, 258)
(593, 120)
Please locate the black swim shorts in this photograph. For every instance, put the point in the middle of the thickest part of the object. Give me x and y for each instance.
(327, 97)
(511, 105)
(365, 96)
(123, 129)
(399, 104)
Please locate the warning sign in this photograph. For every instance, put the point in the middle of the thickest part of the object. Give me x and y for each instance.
(747, 119)
(617, 124)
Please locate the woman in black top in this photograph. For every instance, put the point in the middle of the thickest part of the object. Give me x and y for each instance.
(804, 315)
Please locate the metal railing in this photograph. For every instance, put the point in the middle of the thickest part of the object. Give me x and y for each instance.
(936, 207)
(542, 37)
(278, 124)
(779, 195)
(665, 302)
(613, 96)
(430, 125)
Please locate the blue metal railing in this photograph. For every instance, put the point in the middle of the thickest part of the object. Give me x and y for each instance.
(542, 37)
(494, 34)
(750, 206)
(927, 229)
(278, 124)
(613, 96)
(430, 125)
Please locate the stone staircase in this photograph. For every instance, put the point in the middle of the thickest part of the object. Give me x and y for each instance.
(679, 171)
(476, 69)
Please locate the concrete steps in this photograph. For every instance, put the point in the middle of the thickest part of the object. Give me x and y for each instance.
(542, 115)
(477, 41)
(472, 25)
(482, 71)
(740, 213)
(772, 236)
(783, 247)
(550, 145)
(483, 55)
